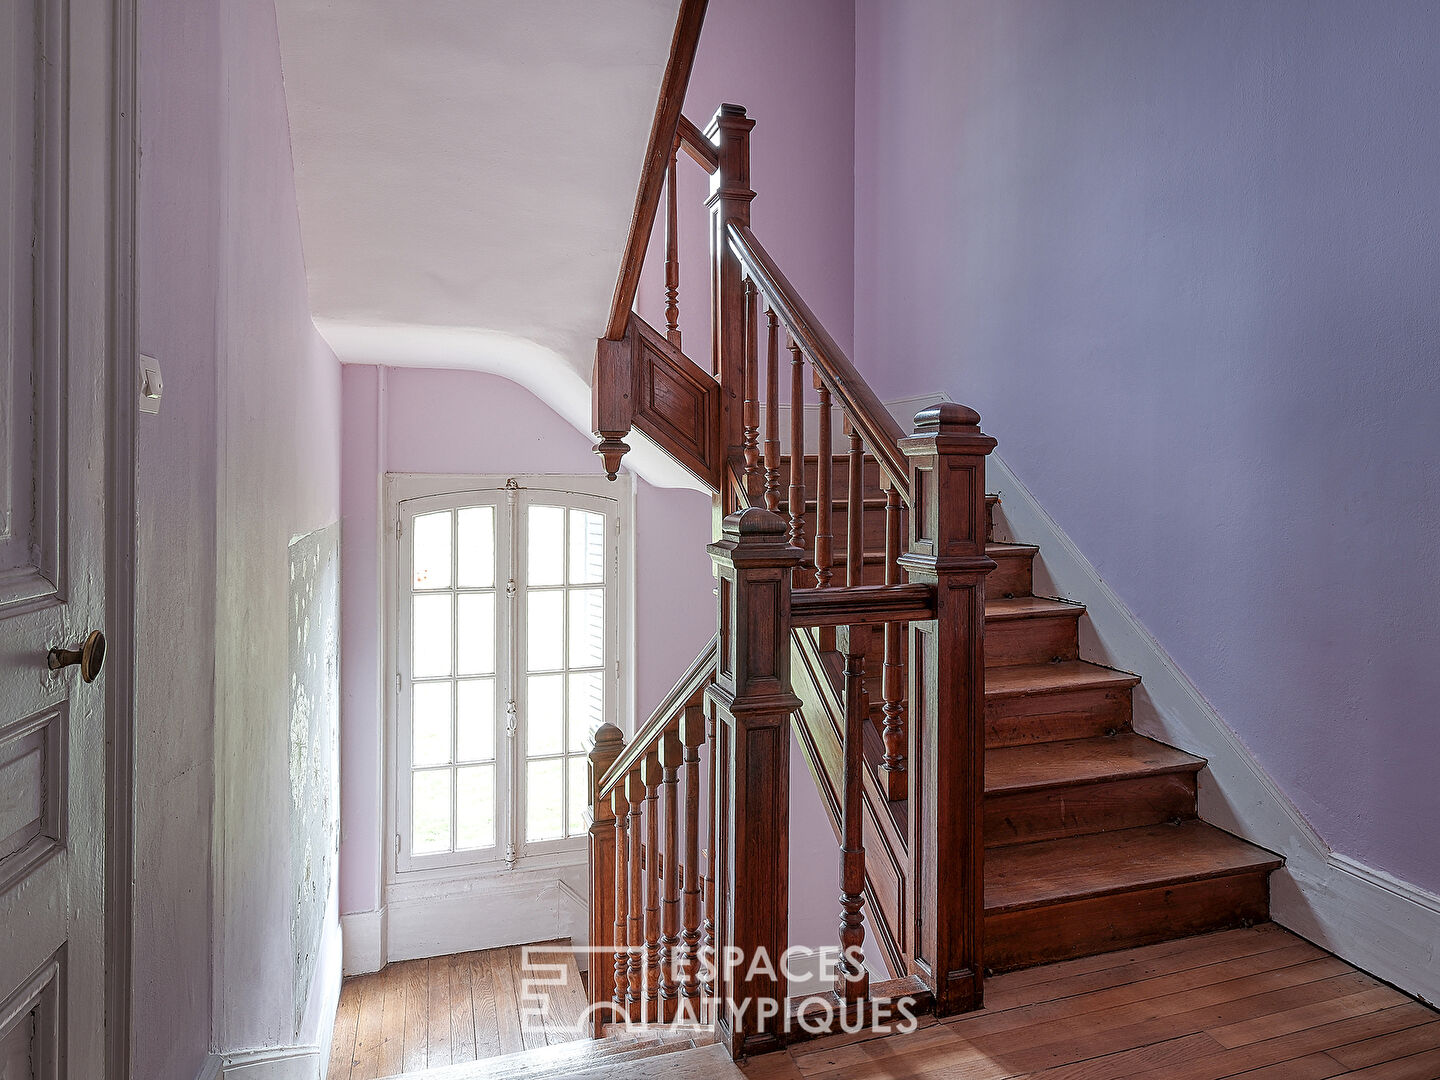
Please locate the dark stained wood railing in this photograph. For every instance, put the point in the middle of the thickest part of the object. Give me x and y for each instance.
(906, 625)
(658, 154)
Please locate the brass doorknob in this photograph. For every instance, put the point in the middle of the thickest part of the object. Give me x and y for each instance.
(90, 656)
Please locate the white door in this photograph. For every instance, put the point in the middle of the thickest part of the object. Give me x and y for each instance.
(507, 658)
(56, 106)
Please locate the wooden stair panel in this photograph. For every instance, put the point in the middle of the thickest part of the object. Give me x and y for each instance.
(1058, 899)
(1051, 702)
(1050, 790)
(1030, 630)
(1014, 573)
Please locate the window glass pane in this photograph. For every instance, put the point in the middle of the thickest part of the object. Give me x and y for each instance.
(432, 550)
(587, 628)
(431, 722)
(477, 547)
(475, 720)
(546, 559)
(475, 807)
(477, 633)
(544, 794)
(431, 636)
(587, 547)
(544, 715)
(545, 632)
(431, 811)
(587, 708)
(579, 794)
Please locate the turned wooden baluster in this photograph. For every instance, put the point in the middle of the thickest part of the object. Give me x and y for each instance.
(824, 505)
(893, 772)
(692, 737)
(606, 860)
(650, 774)
(635, 967)
(707, 929)
(753, 480)
(772, 415)
(671, 755)
(824, 539)
(672, 254)
(852, 983)
(855, 511)
(621, 993)
(797, 446)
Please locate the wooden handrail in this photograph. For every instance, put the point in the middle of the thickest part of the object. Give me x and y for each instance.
(658, 153)
(688, 689)
(880, 431)
(692, 140)
(861, 604)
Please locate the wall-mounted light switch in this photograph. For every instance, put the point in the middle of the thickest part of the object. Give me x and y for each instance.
(152, 386)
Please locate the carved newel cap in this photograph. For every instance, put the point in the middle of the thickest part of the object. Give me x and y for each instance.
(946, 416)
(609, 739)
(947, 428)
(755, 536)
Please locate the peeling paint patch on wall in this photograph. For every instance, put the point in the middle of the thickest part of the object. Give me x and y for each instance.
(314, 744)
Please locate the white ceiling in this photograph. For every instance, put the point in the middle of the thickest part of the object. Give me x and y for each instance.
(466, 171)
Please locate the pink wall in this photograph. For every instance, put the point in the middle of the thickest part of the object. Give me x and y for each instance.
(1181, 258)
(425, 420)
(242, 458)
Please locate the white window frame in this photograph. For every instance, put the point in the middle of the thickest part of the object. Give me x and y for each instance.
(408, 493)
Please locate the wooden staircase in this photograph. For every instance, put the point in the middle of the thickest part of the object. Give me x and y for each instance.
(993, 805)
(1092, 841)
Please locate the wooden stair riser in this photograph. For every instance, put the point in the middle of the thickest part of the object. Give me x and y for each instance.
(1068, 929)
(1053, 717)
(1037, 639)
(1082, 809)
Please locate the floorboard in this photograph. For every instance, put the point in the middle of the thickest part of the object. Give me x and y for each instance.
(452, 1010)
(1258, 1003)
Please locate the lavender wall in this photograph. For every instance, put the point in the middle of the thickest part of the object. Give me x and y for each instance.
(425, 420)
(242, 458)
(178, 278)
(1181, 256)
(791, 64)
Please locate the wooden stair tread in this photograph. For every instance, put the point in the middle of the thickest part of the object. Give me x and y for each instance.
(1082, 761)
(1025, 679)
(1100, 864)
(1030, 607)
(1002, 548)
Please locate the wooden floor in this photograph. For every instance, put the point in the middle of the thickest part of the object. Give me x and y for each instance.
(421, 1014)
(1256, 1003)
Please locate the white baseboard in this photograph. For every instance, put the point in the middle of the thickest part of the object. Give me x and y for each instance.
(283, 1063)
(1378, 923)
(434, 918)
(211, 1070)
(362, 934)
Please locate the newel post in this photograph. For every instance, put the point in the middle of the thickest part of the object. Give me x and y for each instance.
(947, 703)
(753, 703)
(608, 744)
(729, 203)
